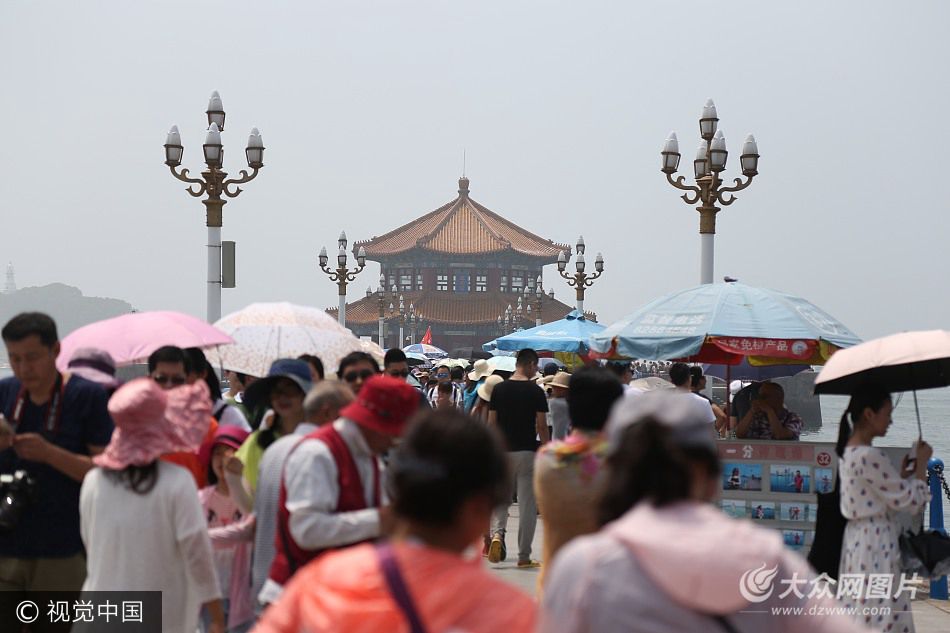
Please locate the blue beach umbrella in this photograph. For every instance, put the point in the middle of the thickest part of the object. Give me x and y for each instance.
(570, 334)
(724, 322)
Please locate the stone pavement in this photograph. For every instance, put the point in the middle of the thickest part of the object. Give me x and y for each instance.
(930, 616)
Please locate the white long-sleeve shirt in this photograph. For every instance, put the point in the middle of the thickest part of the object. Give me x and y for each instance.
(313, 491)
(156, 541)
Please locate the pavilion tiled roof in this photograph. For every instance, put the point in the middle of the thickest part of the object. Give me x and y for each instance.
(453, 308)
(462, 226)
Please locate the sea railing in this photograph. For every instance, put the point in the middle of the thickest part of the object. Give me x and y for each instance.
(938, 488)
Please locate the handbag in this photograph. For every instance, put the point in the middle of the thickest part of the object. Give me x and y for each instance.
(927, 552)
(397, 587)
(825, 553)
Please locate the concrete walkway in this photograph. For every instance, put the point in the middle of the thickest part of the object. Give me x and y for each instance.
(930, 616)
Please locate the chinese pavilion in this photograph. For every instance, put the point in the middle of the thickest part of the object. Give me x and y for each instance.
(456, 270)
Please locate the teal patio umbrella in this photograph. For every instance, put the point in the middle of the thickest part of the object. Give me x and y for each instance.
(723, 323)
(571, 334)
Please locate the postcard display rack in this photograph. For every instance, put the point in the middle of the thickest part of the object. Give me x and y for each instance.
(775, 484)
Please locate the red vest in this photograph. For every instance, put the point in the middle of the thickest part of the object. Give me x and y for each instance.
(290, 556)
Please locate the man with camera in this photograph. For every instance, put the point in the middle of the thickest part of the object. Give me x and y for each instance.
(52, 425)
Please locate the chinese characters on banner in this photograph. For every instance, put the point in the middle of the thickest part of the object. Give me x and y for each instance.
(795, 349)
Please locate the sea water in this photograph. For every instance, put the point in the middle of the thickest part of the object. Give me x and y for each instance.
(934, 405)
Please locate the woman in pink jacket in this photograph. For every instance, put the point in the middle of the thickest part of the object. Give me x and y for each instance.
(667, 559)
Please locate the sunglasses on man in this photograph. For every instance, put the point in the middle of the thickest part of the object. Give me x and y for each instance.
(353, 376)
(404, 373)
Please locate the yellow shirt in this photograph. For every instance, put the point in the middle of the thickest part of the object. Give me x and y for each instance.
(250, 455)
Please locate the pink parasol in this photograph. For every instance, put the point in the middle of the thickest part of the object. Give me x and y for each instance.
(133, 337)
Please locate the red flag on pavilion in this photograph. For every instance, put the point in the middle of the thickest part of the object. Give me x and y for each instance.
(427, 338)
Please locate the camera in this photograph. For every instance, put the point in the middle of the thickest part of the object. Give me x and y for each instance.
(17, 492)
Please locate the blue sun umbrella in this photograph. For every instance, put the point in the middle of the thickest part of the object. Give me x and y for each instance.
(570, 334)
(724, 322)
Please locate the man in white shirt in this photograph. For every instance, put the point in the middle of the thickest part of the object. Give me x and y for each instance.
(680, 377)
(321, 406)
(332, 493)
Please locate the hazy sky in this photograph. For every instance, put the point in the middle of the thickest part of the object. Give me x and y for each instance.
(562, 108)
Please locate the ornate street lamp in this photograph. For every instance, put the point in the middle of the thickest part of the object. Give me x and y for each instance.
(538, 295)
(402, 322)
(214, 184)
(401, 314)
(581, 280)
(381, 302)
(710, 161)
(342, 275)
(412, 324)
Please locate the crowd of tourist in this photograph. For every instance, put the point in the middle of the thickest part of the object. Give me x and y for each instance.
(366, 500)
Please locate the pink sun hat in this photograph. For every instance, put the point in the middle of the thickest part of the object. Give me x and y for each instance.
(150, 422)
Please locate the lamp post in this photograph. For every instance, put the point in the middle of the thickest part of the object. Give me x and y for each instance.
(412, 324)
(214, 184)
(342, 275)
(399, 314)
(581, 280)
(520, 314)
(381, 301)
(538, 294)
(402, 322)
(708, 191)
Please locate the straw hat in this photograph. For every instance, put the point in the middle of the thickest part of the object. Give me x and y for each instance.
(150, 422)
(480, 370)
(484, 392)
(562, 380)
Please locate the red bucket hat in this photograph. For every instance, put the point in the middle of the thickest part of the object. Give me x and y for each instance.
(384, 404)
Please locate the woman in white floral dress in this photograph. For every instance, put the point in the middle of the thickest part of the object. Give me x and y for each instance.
(872, 492)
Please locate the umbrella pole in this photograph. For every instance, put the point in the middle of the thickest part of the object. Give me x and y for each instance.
(728, 393)
(920, 432)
